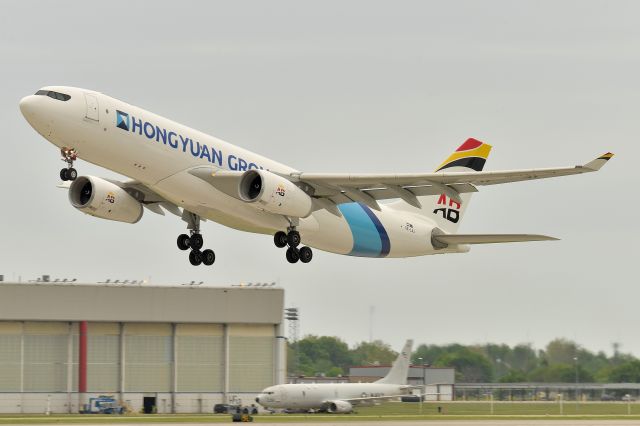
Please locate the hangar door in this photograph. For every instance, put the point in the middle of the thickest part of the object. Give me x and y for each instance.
(200, 358)
(251, 357)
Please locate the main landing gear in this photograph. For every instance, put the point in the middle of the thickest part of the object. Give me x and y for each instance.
(194, 241)
(292, 239)
(69, 155)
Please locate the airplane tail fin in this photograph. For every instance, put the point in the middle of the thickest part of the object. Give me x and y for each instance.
(447, 208)
(400, 368)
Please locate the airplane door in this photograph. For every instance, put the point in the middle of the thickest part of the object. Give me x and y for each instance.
(93, 113)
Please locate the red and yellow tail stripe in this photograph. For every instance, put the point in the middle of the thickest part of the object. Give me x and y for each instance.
(472, 154)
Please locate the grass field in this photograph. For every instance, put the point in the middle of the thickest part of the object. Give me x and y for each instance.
(504, 408)
(387, 411)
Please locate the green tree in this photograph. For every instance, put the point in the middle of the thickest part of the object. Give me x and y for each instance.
(470, 366)
(629, 372)
(373, 353)
(320, 354)
(430, 353)
(523, 357)
(561, 351)
(513, 376)
(560, 373)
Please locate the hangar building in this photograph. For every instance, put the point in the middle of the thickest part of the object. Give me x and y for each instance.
(164, 349)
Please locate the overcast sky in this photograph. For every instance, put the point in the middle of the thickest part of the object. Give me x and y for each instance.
(350, 86)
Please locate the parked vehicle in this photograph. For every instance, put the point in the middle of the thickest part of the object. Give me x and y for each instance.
(225, 408)
(103, 405)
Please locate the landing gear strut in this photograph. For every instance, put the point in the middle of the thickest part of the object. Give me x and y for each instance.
(292, 239)
(194, 241)
(69, 155)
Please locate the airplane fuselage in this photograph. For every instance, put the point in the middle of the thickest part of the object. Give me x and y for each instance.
(316, 396)
(159, 153)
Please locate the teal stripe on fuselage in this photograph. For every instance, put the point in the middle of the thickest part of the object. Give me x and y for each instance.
(367, 241)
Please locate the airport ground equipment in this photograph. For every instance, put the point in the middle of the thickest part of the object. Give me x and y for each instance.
(103, 405)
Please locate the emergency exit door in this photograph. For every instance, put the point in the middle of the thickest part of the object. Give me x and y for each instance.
(93, 113)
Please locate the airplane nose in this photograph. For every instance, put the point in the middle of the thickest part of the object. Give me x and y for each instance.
(27, 106)
(36, 115)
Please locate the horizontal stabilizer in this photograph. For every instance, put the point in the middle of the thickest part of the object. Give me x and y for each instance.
(455, 239)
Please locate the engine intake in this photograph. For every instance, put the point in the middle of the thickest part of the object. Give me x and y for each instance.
(274, 194)
(101, 198)
(339, 407)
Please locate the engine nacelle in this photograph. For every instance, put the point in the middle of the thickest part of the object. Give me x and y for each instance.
(274, 194)
(101, 198)
(339, 407)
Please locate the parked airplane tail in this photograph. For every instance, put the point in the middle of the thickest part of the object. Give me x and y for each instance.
(447, 208)
(400, 368)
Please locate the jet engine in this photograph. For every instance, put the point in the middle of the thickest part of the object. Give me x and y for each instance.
(274, 194)
(101, 198)
(339, 407)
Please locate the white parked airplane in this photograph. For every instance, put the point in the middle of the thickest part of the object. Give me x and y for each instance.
(341, 397)
(196, 176)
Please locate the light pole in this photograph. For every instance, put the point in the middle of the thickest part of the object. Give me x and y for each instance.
(423, 386)
(292, 315)
(575, 359)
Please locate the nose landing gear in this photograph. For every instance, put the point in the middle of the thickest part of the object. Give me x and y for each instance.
(69, 155)
(194, 241)
(292, 239)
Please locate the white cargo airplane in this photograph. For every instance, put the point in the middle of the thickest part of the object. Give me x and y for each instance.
(341, 397)
(197, 176)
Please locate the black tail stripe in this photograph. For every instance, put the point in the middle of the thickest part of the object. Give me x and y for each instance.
(475, 163)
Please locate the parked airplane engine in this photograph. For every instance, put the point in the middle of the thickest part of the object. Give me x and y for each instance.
(274, 194)
(101, 198)
(339, 407)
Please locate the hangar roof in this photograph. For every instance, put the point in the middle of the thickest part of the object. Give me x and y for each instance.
(140, 303)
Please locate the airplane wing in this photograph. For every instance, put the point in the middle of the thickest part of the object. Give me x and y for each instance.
(331, 189)
(371, 398)
(368, 188)
(149, 198)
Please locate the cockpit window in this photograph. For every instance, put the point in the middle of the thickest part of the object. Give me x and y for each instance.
(54, 95)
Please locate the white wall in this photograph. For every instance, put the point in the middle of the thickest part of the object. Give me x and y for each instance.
(445, 393)
(62, 403)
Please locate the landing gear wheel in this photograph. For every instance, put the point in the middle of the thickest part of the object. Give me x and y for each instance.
(195, 257)
(293, 238)
(292, 255)
(72, 174)
(183, 241)
(208, 257)
(69, 155)
(280, 239)
(306, 254)
(195, 241)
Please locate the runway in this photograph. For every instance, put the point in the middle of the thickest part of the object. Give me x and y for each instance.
(491, 422)
(452, 423)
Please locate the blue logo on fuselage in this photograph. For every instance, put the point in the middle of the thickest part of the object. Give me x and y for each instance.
(181, 143)
(122, 120)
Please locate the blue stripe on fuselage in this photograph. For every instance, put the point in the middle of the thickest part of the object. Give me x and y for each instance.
(370, 239)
